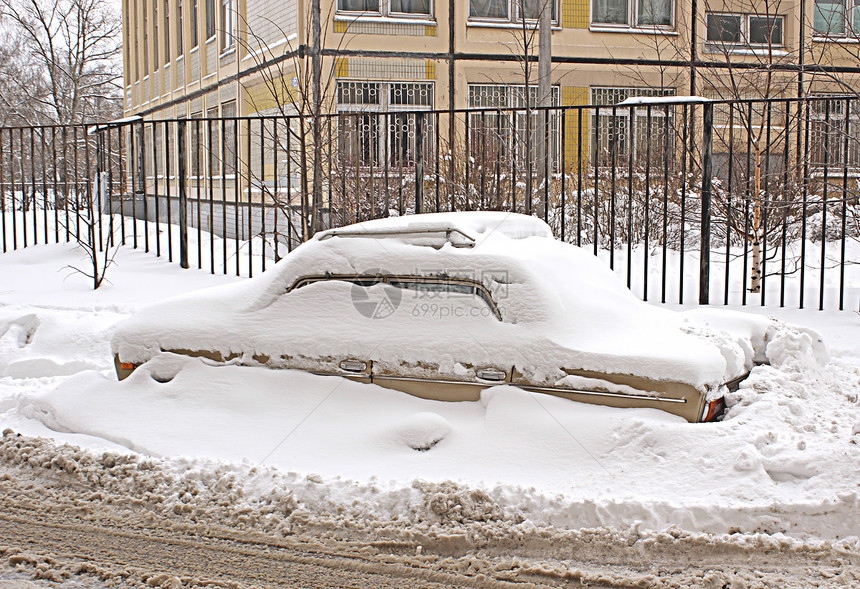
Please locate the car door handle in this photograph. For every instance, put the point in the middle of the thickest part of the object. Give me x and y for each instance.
(491, 375)
(353, 365)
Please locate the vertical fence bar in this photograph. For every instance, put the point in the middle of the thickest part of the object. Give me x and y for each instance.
(120, 131)
(666, 204)
(133, 147)
(419, 163)
(786, 203)
(275, 187)
(198, 172)
(32, 200)
(546, 165)
(826, 182)
(513, 162)
(99, 185)
(844, 204)
(630, 147)
(595, 197)
(91, 221)
(143, 187)
(154, 128)
(483, 166)
(249, 187)
(236, 190)
(687, 152)
(468, 194)
(54, 183)
(804, 197)
(12, 190)
(44, 183)
(167, 190)
(729, 202)
(223, 175)
(436, 157)
(290, 185)
(613, 170)
(748, 196)
(563, 158)
(182, 179)
(263, 183)
(766, 207)
(210, 184)
(647, 203)
(66, 180)
(579, 177)
(3, 191)
(110, 188)
(705, 239)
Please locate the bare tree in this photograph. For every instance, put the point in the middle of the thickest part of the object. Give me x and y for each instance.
(73, 50)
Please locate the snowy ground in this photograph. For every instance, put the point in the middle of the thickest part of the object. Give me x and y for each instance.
(782, 470)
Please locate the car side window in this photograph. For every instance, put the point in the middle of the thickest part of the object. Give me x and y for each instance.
(441, 285)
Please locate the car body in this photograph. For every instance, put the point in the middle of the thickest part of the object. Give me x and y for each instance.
(445, 305)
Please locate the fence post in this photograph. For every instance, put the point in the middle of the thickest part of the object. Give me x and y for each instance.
(183, 196)
(419, 162)
(705, 233)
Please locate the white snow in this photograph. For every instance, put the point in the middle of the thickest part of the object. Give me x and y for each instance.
(783, 461)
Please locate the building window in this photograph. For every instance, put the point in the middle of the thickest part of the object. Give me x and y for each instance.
(503, 135)
(210, 19)
(748, 29)
(228, 112)
(194, 23)
(836, 18)
(379, 129)
(215, 128)
(386, 8)
(512, 10)
(614, 128)
(145, 38)
(633, 13)
(166, 5)
(179, 48)
(832, 132)
(227, 15)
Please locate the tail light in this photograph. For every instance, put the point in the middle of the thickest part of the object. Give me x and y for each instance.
(714, 410)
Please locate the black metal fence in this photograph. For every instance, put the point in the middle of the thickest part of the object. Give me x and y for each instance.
(735, 202)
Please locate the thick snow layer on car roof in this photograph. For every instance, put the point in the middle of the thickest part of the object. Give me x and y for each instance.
(560, 308)
(475, 224)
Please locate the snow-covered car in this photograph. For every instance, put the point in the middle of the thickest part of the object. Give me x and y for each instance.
(445, 305)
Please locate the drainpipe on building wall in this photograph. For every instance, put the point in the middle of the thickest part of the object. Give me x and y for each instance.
(316, 77)
(451, 83)
(544, 100)
(694, 9)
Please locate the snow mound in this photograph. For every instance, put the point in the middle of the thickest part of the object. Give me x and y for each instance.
(422, 431)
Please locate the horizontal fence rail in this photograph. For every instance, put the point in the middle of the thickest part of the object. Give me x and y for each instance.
(731, 202)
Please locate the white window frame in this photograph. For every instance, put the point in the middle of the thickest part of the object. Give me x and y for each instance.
(384, 11)
(744, 32)
(633, 19)
(228, 25)
(513, 16)
(851, 29)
